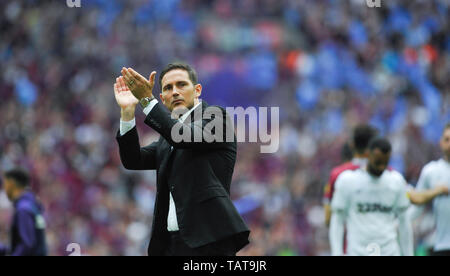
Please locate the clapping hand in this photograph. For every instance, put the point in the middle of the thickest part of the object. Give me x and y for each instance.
(139, 86)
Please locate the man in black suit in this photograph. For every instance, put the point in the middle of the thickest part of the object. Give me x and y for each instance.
(193, 215)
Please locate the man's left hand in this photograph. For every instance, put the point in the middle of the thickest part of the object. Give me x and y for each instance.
(442, 189)
(138, 85)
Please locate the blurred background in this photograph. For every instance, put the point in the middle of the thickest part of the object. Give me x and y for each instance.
(327, 64)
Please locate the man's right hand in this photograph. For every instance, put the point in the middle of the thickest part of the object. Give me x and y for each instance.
(125, 99)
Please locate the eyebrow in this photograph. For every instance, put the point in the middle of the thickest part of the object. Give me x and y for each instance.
(178, 82)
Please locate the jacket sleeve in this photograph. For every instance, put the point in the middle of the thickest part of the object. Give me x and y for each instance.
(25, 222)
(213, 130)
(132, 155)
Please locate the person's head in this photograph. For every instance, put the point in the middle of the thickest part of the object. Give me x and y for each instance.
(379, 155)
(362, 134)
(445, 142)
(346, 152)
(15, 182)
(179, 86)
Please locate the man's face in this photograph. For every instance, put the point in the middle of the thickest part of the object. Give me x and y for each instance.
(8, 185)
(178, 91)
(378, 162)
(445, 143)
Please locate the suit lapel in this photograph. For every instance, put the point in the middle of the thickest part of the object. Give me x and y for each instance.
(167, 148)
(167, 155)
(195, 114)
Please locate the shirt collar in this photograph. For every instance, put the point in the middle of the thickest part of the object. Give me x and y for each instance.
(362, 162)
(25, 195)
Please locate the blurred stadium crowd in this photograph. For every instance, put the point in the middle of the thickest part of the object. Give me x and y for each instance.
(327, 64)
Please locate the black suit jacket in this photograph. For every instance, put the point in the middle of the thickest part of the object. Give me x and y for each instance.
(198, 174)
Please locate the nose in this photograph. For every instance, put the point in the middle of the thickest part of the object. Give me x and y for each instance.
(175, 91)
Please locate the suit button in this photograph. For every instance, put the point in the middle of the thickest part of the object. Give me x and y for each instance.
(172, 188)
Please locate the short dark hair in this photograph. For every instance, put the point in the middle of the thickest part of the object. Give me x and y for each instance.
(380, 143)
(20, 177)
(346, 152)
(447, 126)
(172, 66)
(362, 134)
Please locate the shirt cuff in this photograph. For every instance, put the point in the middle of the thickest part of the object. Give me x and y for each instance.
(149, 108)
(126, 126)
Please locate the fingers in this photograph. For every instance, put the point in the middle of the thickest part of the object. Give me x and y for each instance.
(127, 76)
(116, 91)
(118, 84)
(137, 76)
(122, 84)
(135, 82)
(152, 78)
(116, 88)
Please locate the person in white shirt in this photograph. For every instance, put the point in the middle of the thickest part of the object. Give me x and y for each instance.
(436, 176)
(371, 203)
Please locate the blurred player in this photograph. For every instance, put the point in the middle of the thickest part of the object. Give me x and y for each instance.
(28, 225)
(436, 176)
(371, 202)
(362, 134)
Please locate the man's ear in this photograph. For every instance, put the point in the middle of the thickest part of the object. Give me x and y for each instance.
(198, 90)
(161, 97)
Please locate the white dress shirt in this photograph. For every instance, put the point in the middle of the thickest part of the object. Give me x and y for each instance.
(125, 126)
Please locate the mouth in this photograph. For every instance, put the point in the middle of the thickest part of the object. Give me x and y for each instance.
(177, 102)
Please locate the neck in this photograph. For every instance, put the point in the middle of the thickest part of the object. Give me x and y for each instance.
(369, 171)
(196, 101)
(17, 194)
